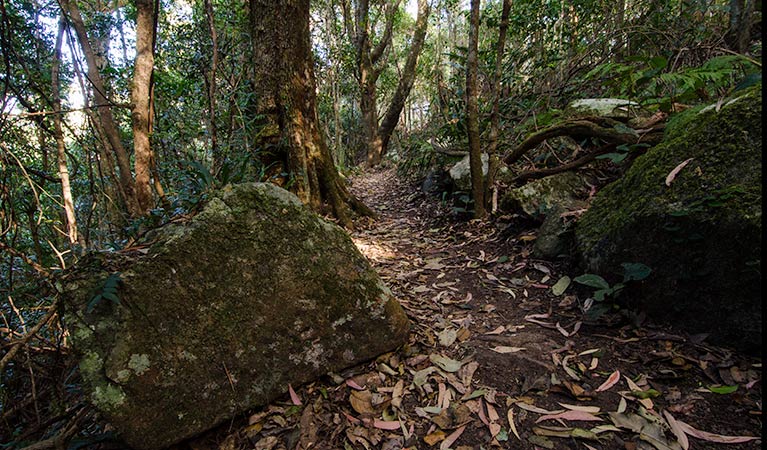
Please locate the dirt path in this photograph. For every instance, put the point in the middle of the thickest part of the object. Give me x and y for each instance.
(497, 360)
(492, 343)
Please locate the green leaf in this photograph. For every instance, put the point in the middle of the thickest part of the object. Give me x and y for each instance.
(723, 389)
(92, 304)
(635, 271)
(561, 286)
(592, 280)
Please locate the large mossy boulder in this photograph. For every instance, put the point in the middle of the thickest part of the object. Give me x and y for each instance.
(698, 228)
(221, 314)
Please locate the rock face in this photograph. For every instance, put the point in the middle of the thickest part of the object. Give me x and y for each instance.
(603, 107)
(221, 313)
(701, 235)
(461, 173)
(565, 190)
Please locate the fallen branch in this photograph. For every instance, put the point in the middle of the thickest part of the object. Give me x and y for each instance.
(609, 130)
(19, 343)
(523, 177)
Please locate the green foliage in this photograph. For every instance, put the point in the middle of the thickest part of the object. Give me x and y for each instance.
(603, 289)
(107, 290)
(651, 80)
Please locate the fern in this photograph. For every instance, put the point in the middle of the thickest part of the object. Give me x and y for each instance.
(107, 290)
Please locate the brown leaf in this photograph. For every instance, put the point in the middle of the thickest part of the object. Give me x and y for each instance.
(362, 402)
(433, 438)
(670, 177)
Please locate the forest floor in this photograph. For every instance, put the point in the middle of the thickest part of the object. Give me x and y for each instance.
(497, 360)
(496, 357)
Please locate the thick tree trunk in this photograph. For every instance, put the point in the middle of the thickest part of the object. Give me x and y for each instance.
(739, 34)
(66, 190)
(472, 115)
(285, 84)
(210, 80)
(140, 95)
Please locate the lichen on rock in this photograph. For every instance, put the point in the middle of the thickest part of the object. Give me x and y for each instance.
(222, 313)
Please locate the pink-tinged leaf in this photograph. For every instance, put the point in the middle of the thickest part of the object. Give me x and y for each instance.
(681, 437)
(450, 440)
(571, 415)
(386, 424)
(562, 330)
(610, 382)
(352, 384)
(294, 398)
(671, 175)
(351, 418)
(711, 437)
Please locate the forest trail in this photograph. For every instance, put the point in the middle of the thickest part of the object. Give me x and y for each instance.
(497, 360)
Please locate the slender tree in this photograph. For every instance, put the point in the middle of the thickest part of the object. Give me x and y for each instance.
(371, 62)
(492, 139)
(285, 84)
(66, 190)
(472, 115)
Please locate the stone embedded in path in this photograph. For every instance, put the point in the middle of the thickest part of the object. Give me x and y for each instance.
(222, 313)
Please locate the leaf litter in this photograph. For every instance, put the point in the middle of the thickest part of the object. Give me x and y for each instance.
(488, 321)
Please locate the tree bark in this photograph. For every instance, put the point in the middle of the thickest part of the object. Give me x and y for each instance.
(472, 115)
(210, 79)
(739, 33)
(391, 117)
(369, 67)
(140, 95)
(66, 190)
(492, 140)
(104, 107)
(285, 85)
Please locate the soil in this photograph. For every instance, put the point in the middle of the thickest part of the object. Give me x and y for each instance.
(496, 358)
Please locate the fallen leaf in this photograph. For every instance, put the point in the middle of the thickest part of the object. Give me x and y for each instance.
(723, 389)
(386, 424)
(610, 382)
(671, 175)
(433, 438)
(353, 384)
(294, 398)
(561, 286)
(570, 415)
(445, 363)
(362, 402)
(535, 409)
(498, 330)
(681, 437)
(712, 437)
(584, 408)
(512, 425)
(504, 349)
(447, 337)
(450, 440)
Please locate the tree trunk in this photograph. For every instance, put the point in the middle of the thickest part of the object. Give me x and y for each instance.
(104, 108)
(66, 190)
(285, 86)
(369, 66)
(391, 118)
(739, 33)
(492, 144)
(140, 94)
(210, 79)
(472, 115)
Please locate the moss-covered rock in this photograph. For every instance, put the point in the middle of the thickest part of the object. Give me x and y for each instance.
(219, 315)
(701, 235)
(564, 190)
